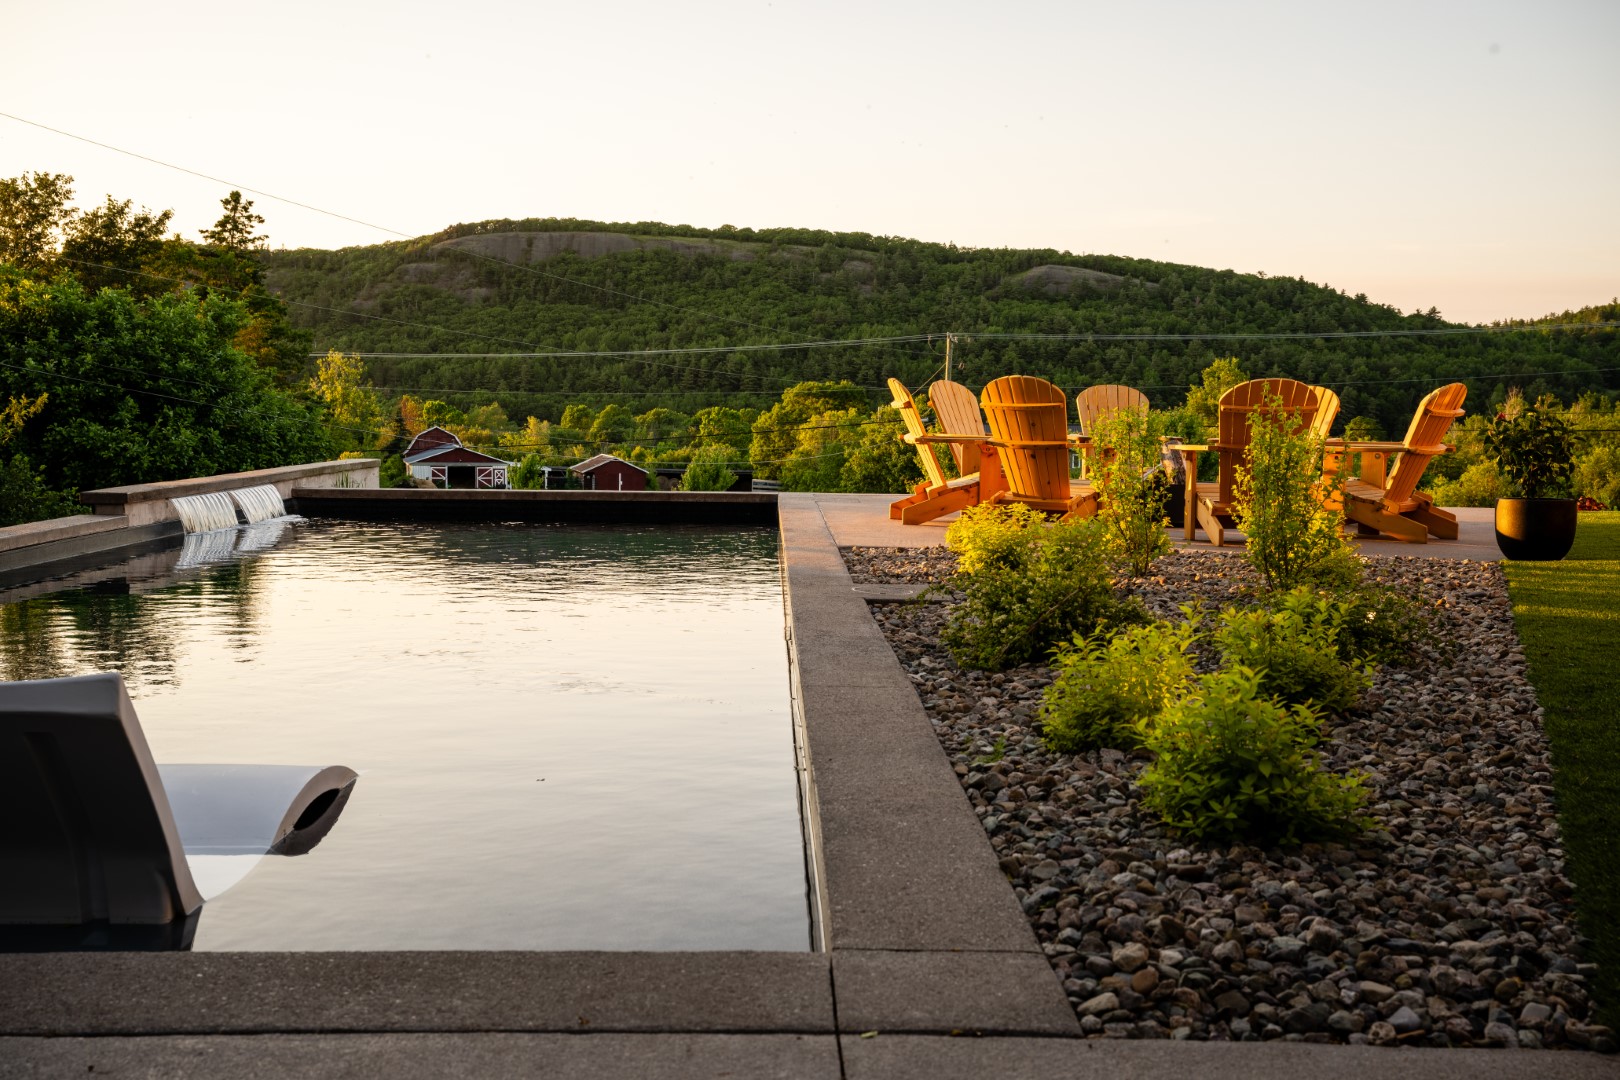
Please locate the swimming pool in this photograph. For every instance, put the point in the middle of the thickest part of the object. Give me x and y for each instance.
(568, 737)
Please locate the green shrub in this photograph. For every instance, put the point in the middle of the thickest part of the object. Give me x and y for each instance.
(1104, 691)
(1125, 460)
(989, 534)
(1480, 484)
(708, 471)
(1534, 449)
(1231, 764)
(1381, 625)
(1297, 649)
(24, 496)
(1293, 539)
(1041, 585)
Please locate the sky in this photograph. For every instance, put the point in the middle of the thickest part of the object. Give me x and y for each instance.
(1456, 155)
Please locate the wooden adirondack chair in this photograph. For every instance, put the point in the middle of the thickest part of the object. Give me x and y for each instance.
(1327, 410)
(1393, 505)
(957, 410)
(1217, 500)
(1095, 402)
(937, 496)
(1029, 427)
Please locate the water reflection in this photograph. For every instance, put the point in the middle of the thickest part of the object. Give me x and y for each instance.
(571, 737)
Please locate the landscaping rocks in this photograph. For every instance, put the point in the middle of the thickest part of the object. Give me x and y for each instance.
(1451, 923)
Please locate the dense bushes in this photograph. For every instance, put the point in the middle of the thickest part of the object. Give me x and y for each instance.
(1230, 762)
(1031, 587)
(1106, 691)
(1295, 651)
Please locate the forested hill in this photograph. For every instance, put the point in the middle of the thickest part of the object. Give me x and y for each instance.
(563, 284)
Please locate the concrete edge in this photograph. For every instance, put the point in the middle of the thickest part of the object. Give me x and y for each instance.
(606, 507)
(83, 550)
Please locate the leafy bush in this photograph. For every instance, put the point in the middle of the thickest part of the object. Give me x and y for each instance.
(1104, 692)
(1597, 475)
(1480, 484)
(708, 471)
(1381, 625)
(1297, 650)
(1231, 763)
(1534, 449)
(1125, 460)
(989, 534)
(1040, 586)
(1293, 538)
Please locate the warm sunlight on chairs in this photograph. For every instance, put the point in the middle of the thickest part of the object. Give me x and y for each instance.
(1394, 506)
(1029, 427)
(1214, 503)
(938, 495)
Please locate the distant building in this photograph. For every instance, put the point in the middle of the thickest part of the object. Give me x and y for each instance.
(604, 472)
(437, 455)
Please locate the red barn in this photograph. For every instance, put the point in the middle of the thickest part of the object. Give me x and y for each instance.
(604, 472)
(437, 455)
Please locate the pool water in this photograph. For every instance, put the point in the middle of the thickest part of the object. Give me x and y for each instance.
(568, 737)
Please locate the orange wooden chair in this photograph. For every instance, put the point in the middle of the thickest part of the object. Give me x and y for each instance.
(957, 410)
(1393, 505)
(938, 495)
(1096, 402)
(1029, 427)
(1216, 501)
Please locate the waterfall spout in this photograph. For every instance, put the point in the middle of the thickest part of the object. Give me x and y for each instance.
(205, 513)
(259, 503)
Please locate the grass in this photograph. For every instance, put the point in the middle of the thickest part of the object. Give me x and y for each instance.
(1568, 617)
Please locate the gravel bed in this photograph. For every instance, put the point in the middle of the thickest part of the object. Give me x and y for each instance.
(1450, 924)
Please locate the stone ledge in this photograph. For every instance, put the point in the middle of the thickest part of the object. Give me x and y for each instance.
(145, 504)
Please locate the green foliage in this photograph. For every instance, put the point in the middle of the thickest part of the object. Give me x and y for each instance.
(530, 474)
(1125, 458)
(34, 210)
(990, 535)
(25, 497)
(1381, 625)
(1292, 538)
(1297, 649)
(392, 472)
(1231, 763)
(708, 471)
(1106, 692)
(1597, 475)
(1204, 397)
(1480, 484)
(1049, 584)
(1534, 450)
(809, 285)
(141, 390)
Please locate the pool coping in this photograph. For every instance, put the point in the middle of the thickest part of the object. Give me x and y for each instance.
(920, 935)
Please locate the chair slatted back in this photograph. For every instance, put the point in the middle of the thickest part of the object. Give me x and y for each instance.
(1239, 405)
(1029, 423)
(1434, 417)
(1095, 402)
(958, 412)
(1327, 410)
(912, 417)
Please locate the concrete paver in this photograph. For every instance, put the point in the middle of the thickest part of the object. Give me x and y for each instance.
(909, 1057)
(340, 1057)
(950, 992)
(203, 993)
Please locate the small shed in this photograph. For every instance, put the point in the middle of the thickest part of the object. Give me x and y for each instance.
(437, 455)
(604, 472)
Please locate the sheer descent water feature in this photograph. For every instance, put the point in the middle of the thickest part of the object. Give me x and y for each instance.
(259, 503)
(205, 513)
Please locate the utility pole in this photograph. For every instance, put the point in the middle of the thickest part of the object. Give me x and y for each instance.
(949, 338)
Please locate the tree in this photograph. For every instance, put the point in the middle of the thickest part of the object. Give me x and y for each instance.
(142, 390)
(113, 246)
(776, 434)
(1203, 399)
(233, 232)
(879, 460)
(357, 418)
(708, 471)
(34, 209)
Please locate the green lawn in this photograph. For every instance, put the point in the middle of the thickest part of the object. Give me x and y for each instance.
(1568, 616)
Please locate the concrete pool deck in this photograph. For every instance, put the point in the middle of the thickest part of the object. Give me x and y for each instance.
(921, 939)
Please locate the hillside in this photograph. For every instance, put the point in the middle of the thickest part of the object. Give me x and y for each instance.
(563, 284)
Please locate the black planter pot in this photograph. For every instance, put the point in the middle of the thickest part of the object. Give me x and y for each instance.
(1535, 530)
(1175, 504)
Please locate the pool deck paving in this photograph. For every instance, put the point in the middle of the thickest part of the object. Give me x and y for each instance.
(925, 966)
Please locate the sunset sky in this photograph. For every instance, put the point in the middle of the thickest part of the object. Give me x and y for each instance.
(1455, 155)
